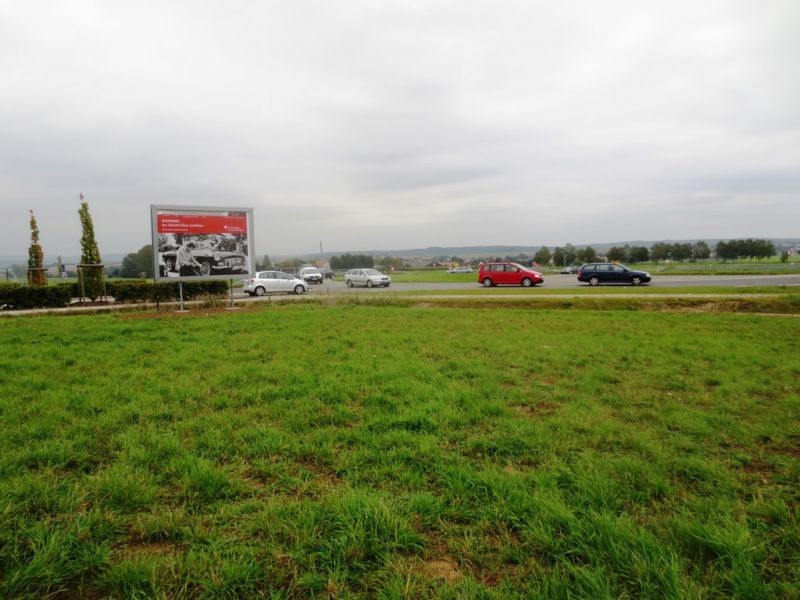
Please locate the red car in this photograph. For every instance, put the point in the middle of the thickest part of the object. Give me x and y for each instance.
(508, 273)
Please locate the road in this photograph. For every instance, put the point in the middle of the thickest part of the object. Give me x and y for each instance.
(568, 282)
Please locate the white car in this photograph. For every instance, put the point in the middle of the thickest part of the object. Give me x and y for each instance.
(366, 277)
(271, 282)
(311, 275)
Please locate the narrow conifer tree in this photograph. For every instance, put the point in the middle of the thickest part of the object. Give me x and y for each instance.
(36, 272)
(90, 255)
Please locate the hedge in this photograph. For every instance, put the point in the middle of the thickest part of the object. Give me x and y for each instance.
(138, 290)
(17, 296)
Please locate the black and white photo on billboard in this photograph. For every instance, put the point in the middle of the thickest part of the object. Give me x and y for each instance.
(183, 255)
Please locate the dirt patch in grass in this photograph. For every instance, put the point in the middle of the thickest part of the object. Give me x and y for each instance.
(793, 451)
(790, 448)
(444, 568)
(258, 483)
(538, 409)
(325, 476)
(758, 467)
(148, 549)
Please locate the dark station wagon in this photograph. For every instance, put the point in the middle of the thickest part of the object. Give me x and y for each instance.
(597, 273)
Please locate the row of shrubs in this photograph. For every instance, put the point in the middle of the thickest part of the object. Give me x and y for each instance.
(137, 290)
(17, 296)
(14, 295)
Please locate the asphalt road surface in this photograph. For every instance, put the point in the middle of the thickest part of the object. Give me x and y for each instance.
(565, 282)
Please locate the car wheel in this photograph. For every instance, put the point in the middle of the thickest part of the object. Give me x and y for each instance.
(369, 282)
(299, 289)
(205, 268)
(526, 282)
(487, 282)
(260, 291)
(636, 281)
(595, 281)
(170, 264)
(387, 285)
(349, 283)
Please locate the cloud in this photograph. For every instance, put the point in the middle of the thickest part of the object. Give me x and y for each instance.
(402, 124)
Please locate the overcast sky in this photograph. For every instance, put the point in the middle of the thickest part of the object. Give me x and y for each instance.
(401, 124)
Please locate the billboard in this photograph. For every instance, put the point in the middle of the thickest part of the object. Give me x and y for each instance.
(202, 242)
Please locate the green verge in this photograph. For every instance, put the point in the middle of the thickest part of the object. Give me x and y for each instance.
(742, 268)
(369, 450)
(768, 303)
(617, 290)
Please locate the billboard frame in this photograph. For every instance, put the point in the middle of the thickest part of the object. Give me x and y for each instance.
(164, 260)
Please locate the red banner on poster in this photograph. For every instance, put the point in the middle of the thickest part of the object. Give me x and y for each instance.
(191, 224)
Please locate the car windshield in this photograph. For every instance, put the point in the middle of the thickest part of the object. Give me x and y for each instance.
(372, 272)
(311, 270)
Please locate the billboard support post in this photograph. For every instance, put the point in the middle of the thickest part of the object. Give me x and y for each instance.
(232, 306)
(180, 294)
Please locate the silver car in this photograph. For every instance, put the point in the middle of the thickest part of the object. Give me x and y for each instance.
(366, 277)
(272, 282)
(311, 275)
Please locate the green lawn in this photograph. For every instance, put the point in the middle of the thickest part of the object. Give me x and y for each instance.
(363, 451)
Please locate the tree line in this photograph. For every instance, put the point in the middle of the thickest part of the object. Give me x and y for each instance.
(660, 251)
(749, 248)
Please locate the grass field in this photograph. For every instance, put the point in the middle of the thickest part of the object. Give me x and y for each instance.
(362, 451)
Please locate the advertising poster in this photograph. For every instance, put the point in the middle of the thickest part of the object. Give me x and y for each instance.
(192, 242)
